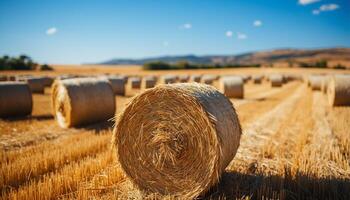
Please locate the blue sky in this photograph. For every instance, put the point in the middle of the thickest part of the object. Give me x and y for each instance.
(80, 31)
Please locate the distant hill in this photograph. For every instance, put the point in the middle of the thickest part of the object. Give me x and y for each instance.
(338, 55)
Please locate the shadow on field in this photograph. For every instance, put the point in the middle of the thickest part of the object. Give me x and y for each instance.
(29, 117)
(234, 185)
(99, 127)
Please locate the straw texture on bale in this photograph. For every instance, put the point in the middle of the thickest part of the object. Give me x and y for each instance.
(168, 79)
(276, 80)
(118, 84)
(316, 82)
(208, 79)
(148, 82)
(82, 101)
(135, 82)
(232, 86)
(196, 78)
(15, 99)
(177, 139)
(36, 85)
(338, 90)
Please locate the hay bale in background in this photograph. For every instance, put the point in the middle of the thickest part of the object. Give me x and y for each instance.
(338, 90)
(184, 78)
(118, 84)
(195, 78)
(315, 82)
(232, 86)
(245, 78)
(36, 84)
(208, 79)
(276, 80)
(3, 78)
(182, 157)
(324, 84)
(11, 78)
(15, 99)
(135, 82)
(148, 82)
(81, 101)
(48, 81)
(168, 79)
(257, 79)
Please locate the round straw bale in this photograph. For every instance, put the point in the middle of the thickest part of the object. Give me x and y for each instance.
(3, 78)
(15, 99)
(177, 139)
(232, 86)
(257, 79)
(184, 78)
(245, 77)
(196, 78)
(118, 84)
(36, 84)
(338, 90)
(148, 82)
(208, 79)
(168, 79)
(80, 101)
(315, 82)
(324, 84)
(11, 78)
(135, 82)
(48, 81)
(276, 80)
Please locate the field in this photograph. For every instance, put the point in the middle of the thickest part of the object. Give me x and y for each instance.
(294, 146)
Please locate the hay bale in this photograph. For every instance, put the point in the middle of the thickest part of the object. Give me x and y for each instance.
(232, 86)
(184, 78)
(245, 78)
(276, 80)
(148, 82)
(338, 90)
(48, 81)
(168, 79)
(82, 101)
(118, 84)
(15, 99)
(3, 78)
(134, 82)
(11, 78)
(257, 79)
(208, 79)
(177, 139)
(324, 84)
(195, 78)
(36, 84)
(315, 82)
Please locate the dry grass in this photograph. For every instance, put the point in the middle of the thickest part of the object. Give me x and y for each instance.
(294, 146)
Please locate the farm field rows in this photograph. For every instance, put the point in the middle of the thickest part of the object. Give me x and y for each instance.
(293, 146)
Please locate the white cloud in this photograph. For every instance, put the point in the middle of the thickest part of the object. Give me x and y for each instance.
(325, 8)
(165, 43)
(329, 7)
(241, 36)
(316, 12)
(186, 26)
(257, 23)
(229, 33)
(305, 2)
(51, 31)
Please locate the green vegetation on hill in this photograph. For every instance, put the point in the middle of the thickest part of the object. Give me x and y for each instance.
(186, 65)
(21, 62)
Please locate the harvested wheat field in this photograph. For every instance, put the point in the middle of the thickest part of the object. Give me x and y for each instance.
(177, 141)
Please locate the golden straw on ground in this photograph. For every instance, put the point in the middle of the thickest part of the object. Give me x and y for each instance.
(15, 99)
(177, 139)
(81, 101)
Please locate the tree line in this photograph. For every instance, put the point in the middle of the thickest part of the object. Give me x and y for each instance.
(22, 62)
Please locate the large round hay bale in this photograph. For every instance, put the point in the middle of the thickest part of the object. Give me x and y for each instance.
(118, 84)
(177, 139)
(168, 79)
(232, 86)
(36, 84)
(315, 82)
(208, 79)
(15, 99)
(184, 78)
(80, 101)
(338, 90)
(135, 82)
(196, 78)
(276, 80)
(148, 82)
(257, 79)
